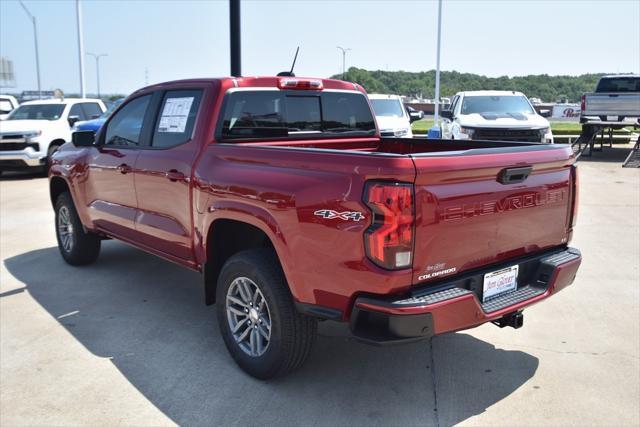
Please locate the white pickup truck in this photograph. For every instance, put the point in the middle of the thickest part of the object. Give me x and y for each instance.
(36, 129)
(393, 119)
(494, 115)
(7, 104)
(616, 98)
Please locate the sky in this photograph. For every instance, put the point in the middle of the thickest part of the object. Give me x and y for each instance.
(185, 39)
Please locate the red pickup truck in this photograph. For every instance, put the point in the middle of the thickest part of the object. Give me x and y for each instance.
(281, 191)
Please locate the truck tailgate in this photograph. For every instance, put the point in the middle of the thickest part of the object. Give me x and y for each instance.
(466, 218)
(612, 104)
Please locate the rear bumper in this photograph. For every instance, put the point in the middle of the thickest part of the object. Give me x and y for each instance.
(456, 304)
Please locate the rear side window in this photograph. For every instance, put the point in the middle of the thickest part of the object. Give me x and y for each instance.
(264, 114)
(125, 126)
(76, 111)
(619, 84)
(92, 110)
(176, 118)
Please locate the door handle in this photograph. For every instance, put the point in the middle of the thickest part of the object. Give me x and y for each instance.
(124, 168)
(174, 175)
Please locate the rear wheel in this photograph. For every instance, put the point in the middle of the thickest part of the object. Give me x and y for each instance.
(260, 326)
(76, 246)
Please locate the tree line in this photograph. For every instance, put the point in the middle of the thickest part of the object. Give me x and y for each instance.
(547, 88)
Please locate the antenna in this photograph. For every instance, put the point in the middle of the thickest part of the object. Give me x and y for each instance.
(290, 73)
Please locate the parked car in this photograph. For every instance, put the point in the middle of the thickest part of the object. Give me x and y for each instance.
(616, 97)
(494, 115)
(393, 119)
(414, 114)
(282, 193)
(8, 103)
(36, 129)
(96, 123)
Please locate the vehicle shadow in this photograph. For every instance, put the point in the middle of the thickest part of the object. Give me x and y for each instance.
(21, 175)
(614, 154)
(148, 317)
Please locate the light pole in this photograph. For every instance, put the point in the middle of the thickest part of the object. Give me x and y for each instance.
(97, 57)
(437, 109)
(344, 54)
(80, 48)
(435, 131)
(35, 39)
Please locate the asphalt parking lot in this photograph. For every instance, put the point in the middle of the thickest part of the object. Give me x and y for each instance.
(128, 340)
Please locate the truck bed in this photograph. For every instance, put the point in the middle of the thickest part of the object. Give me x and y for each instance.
(413, 146)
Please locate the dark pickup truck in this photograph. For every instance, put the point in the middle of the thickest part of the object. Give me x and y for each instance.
(282, 193)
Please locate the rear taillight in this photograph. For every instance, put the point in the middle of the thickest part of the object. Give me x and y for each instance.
(583, 103)
(389, 240)
(576, 193)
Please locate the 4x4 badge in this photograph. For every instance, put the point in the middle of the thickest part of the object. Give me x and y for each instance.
(329, 214)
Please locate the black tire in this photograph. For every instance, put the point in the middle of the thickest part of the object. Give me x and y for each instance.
(84, 247)
(292, 334)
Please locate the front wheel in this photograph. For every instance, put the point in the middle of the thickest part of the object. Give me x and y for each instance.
(76, 246)
(260, 326)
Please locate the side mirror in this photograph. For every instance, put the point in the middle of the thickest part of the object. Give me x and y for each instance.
(73, 120)
(447, 114)
(83, 138)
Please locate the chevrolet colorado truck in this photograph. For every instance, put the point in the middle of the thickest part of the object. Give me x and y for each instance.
(281, 191)
(616, 97)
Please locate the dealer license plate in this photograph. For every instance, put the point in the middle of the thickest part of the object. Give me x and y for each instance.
(499, 282)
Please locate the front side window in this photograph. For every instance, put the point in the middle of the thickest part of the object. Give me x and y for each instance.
(387, 107)
(496, 105)
(37, 112)
(125, 127)
(177, 118)
(252, 114)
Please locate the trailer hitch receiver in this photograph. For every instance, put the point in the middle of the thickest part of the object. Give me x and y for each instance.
(515, 320)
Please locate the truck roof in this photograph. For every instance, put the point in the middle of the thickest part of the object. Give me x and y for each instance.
(257, 81)
(60, 101)
(382, 96)
(490, 93)
(613, 76)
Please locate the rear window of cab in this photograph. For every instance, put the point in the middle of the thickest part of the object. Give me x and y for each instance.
(295, 113)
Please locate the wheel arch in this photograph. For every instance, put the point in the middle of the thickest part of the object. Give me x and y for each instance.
(57, 186)
(226, 237)
(57, 141)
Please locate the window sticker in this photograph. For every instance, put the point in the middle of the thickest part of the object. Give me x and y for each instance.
(175, 114)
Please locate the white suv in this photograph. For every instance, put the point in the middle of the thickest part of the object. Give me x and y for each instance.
(494, 115)
(36, 129)
(392, 117)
